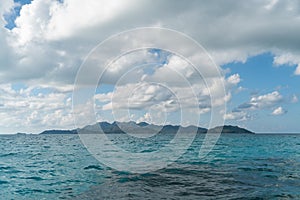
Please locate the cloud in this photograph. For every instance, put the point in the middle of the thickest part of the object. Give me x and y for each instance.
(170, 85)
(132, 67)
(55, 36)
(290, 59)
(262, 102)
(266, 100)
(294, 99)
(33, 109)
(259, 102)
(139, 96)
(234, 79)
(279, 111)
(297, 71)
(237, 115)
(6, 53)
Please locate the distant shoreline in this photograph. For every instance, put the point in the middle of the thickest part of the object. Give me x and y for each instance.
(145, 128)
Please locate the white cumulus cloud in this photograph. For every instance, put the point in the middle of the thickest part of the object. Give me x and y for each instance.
(279, 111)
(262, 101)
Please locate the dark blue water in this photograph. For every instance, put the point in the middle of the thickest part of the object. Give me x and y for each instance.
(239, 167)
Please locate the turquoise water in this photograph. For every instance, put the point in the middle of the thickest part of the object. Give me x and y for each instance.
(239, 167)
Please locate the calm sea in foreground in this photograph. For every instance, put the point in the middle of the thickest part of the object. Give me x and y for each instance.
(239, 167)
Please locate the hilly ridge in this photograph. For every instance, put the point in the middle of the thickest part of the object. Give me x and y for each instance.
(143, 127)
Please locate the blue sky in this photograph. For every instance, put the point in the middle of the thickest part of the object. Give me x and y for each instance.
(44, 45)
(260, 76)
(11, 16)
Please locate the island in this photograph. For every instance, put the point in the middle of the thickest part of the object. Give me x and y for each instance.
(144, 127)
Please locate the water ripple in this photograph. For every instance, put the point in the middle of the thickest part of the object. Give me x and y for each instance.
(239, 167)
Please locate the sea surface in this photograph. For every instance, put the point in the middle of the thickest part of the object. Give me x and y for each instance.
(239, 167)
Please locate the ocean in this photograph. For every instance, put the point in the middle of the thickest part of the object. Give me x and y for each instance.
(241, 166)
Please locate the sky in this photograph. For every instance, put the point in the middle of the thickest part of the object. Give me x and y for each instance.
(255, 44)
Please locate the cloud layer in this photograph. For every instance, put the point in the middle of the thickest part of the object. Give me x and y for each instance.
(52, 38)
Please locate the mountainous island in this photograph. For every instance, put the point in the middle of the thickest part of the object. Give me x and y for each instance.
(143, 127)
